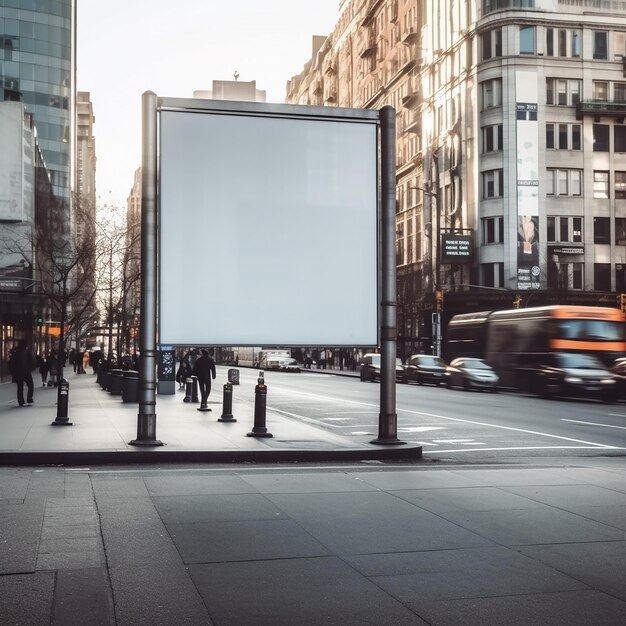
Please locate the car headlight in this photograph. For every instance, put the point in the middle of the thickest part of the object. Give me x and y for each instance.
(608, 381)
(573, 379)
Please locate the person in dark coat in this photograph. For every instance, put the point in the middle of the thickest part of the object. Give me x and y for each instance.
(21, 366)
(204, 369)
(42, 364)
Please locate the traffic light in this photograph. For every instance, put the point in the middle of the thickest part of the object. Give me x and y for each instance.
(622, 302)
(438, 300)
(39, 321)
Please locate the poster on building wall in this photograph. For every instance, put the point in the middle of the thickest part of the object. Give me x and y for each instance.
(527, 128)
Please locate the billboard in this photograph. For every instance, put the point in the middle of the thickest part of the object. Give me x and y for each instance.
(268, 226)
(527, 128)
(456, 248)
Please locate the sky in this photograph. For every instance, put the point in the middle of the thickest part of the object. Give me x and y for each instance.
(174, 47)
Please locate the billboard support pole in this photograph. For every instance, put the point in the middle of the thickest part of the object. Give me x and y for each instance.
(387, 418)
(146, 417)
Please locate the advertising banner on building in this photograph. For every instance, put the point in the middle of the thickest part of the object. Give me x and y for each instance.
(527, 127)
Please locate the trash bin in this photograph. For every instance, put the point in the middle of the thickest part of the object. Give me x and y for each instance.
(115, 382)
(233, 376)
(130, 386)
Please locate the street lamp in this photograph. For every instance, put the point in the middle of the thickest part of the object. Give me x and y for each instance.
(435, 257)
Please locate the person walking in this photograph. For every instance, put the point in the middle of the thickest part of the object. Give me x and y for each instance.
(21, 366)
(42, 363)
(204, 370)
(53, 363)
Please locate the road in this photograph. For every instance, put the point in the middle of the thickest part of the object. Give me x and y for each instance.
(452, 424)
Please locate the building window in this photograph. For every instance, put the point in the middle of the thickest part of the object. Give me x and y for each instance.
(600, 138)
(600, 90)
(619, 92)
(565, 276)
(602, 276)
(493, 229)
(493, 184)
(600, 44)
(600, 184)
(492, 274)
(562, 42)
(561, 182)
(620, 185)
(566, 43)
(576, 43)
(563, 136)
(492, 138)
(562, 91)
(619, 138)
(491, 91)
(527, 38)
(620, 231)
(601, 230)
(564, 229)
(492, 44)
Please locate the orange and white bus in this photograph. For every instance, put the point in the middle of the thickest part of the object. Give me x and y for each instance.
(513, 341)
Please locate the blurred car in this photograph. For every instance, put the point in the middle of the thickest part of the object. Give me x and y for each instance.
(425, 368)
(618, 369)
(471, 373)
(370, 368)
(575, 374)
(289, 365)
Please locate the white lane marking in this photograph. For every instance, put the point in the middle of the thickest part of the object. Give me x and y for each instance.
(520, 448)
(419, 429)
(563, 419)
(453, 440)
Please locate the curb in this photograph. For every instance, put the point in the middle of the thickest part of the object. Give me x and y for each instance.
(85, 457)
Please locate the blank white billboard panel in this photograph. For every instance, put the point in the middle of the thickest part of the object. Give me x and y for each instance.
(268, 230)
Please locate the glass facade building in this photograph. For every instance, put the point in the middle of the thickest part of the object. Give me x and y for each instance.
(37, 68)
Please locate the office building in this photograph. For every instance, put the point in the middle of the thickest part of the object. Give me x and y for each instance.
(511, 146)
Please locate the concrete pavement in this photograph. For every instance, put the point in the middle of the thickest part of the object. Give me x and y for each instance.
(321, 544)
(352, 542)
(103, 427)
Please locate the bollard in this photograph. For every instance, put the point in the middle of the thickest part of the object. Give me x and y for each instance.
(63, 397)
(194, 392)
(188, 390)
(260, 403)
(227, 405)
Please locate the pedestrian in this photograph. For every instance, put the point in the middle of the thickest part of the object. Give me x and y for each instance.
(182, 373)
(204, 370)
(21, 366)
(42, 365)
(53, 364)
(85, 364)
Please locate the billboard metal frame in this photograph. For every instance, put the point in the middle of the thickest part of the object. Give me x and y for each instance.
(385, 120)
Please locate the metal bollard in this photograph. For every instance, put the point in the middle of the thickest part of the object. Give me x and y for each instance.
(63, 397)
(188, 390)
(194, 387)
(260, 403)
(227, 405)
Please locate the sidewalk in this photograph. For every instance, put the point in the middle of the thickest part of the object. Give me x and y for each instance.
(247, 543)
(103, 427)
(295, 545)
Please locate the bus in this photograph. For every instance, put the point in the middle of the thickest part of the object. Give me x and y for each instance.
(513, 342)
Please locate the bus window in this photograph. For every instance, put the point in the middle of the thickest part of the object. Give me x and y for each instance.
(591, 330)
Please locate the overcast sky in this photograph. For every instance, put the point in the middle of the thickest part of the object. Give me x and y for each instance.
(173, 47)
